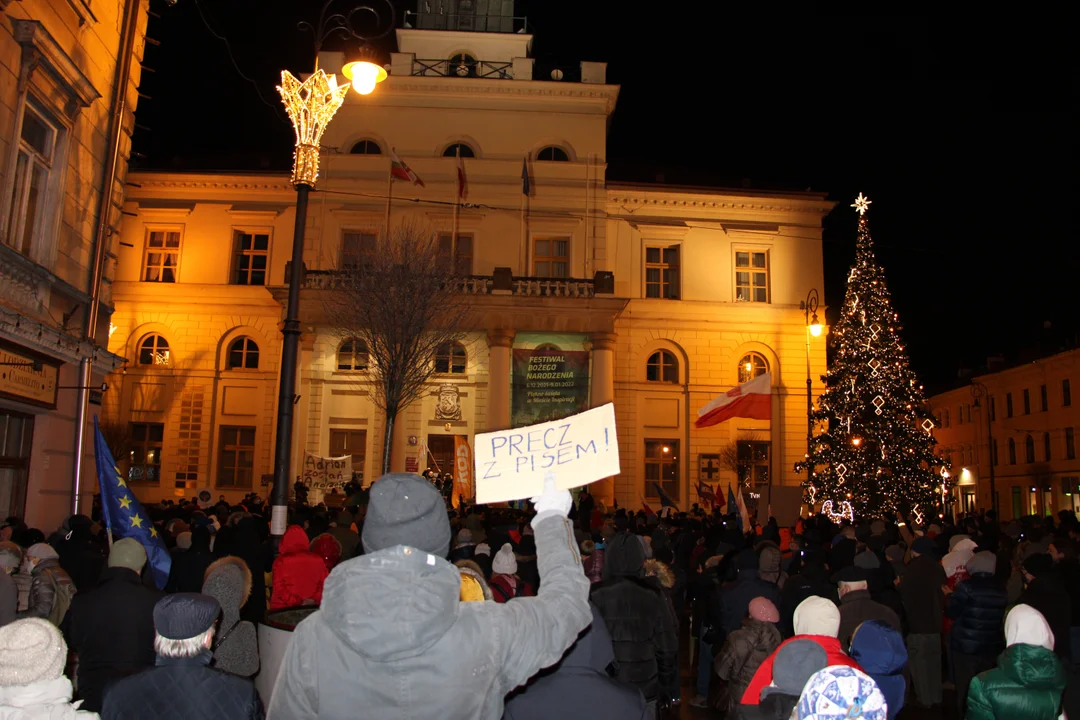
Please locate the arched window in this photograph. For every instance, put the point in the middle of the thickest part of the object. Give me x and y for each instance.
(1029, 449)
(553, 153)
(450, 358)
(751, 366)
(452, 150)
(662, 367)
(243, 354)
(366, 147)
(462, 65)
(154, 350)
(1012, 451)
(352, 355)
(547, 347)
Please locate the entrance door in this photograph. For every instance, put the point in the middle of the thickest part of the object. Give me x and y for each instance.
(16, 438)
(442, 453)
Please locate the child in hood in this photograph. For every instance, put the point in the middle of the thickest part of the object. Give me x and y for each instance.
(880, 652)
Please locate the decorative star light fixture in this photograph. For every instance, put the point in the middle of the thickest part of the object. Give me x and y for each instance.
(861, 204)
(311, 106)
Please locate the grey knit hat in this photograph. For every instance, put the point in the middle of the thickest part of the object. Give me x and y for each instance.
(405, 509)
(32, 650)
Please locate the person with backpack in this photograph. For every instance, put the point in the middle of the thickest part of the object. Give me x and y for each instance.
(505, 584)
(51, 588)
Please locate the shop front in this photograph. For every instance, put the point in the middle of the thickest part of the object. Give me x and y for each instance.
(29, 384)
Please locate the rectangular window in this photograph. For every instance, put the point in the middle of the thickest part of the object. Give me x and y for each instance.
(236, 466)
(662, 272)
(251, 256)
(1066, 393)
(144, 454)
(1017, 503)
(994, 452)
(33, 166)
(753, 457)
(162, 256)
(456, 253)
(1070, 444)
(1046, 447)
(1027, 402)
(959, 414)
(1042, 398)
(752, 276)
(1008, 405)
(993, 410)
(350, 442)
(662, 468)
(357, 249)
(551, 258)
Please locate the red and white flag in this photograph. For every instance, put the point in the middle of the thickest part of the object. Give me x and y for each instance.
(462, 182)
(401, 171)
(752, 399)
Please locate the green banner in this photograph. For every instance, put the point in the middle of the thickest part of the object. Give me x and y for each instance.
(548, 385)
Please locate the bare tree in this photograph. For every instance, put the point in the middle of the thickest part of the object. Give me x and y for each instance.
(118, 438)
(404, 303)
(730, 459)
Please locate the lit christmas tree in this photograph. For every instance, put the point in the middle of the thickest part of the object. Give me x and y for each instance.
(877, 455)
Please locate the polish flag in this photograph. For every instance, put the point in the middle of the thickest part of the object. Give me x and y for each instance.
(752, 399)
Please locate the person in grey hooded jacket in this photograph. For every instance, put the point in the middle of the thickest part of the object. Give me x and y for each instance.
(392, 638)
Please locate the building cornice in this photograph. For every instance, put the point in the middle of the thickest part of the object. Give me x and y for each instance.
(398, 86)
(624, 202)
(208, 181)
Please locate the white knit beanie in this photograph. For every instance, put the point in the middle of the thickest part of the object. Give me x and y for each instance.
(504, 562)
(31, 650)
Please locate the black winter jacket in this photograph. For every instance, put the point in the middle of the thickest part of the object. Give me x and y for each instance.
(920, 588)
(1049, 595)
(977, 607)
(182, 689)
(735, 599)
(811, 581)
(189, 566)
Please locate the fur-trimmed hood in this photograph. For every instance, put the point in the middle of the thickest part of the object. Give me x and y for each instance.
(228, 580)
(660, 571)
(473, 586)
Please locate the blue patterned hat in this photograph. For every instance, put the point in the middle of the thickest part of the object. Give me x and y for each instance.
(841, 692)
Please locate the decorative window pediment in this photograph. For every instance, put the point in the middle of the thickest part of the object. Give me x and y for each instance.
(40, 49)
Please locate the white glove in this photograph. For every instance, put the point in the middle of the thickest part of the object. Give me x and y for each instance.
(552, 501)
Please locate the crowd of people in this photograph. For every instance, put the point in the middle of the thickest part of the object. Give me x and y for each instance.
(412, 608)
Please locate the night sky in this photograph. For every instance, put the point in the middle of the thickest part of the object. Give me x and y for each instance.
(961, 130)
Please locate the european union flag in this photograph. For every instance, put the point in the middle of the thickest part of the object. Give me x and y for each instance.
(124, 515)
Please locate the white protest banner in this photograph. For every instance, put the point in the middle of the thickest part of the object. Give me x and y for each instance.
(322, 473)
(577, 450)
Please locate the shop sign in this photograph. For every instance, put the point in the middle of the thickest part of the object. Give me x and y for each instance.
(27, 378)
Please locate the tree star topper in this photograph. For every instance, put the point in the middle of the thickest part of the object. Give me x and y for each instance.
(861, 204)
(311, 106)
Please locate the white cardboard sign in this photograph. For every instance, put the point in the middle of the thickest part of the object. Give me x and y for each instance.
(577, 450)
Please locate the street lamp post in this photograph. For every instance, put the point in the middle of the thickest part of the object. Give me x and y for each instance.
(813, 329)
(311, 105)
(980, 392)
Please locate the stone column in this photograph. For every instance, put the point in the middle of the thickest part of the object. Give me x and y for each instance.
(499, 344)
(602, 392)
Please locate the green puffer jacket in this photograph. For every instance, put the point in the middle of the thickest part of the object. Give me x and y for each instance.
(1027, 684)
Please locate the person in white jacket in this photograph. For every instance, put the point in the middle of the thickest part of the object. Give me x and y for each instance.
(32, 683)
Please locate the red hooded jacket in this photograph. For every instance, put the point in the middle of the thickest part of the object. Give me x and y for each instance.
(298, 572)
(763, 676)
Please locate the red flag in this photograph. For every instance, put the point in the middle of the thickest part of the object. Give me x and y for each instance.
(752, 399)
(462, 183)
(401, 171)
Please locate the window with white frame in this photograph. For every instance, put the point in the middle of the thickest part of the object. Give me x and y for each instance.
(251, 257)
(551, 257)
(752, 276)
(662, 272)
(161, 258)
(34, 164)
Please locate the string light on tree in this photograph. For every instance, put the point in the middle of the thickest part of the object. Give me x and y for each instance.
(877, 452)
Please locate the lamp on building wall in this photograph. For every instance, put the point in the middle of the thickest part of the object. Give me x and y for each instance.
(311, 105)
(814, 328)
(981, 392)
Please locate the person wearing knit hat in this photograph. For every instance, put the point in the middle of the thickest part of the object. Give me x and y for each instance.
(393, 637)
(464, 547)
(745, 649)
(505, 583)
(181, 685)
(32, 682)
(842, 693)
(51, 588)
(120, 600)
(796, 662)
(977, 609)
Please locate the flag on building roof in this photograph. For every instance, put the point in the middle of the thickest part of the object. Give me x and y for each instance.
(525, 186)
(123, 514)
(752, 399)
(462, 182)
(401, 171)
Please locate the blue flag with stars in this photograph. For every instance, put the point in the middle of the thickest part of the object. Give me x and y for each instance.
(124, 515)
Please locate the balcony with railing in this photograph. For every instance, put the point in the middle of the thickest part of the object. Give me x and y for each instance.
(501, 282)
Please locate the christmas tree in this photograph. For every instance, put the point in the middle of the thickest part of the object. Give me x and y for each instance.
(877, 454)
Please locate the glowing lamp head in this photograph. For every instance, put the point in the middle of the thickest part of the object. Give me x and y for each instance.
(856, 441)
(815, 326)
(364, 75)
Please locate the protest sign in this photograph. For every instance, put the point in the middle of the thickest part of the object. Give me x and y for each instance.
(577, 450)
(322, 473)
